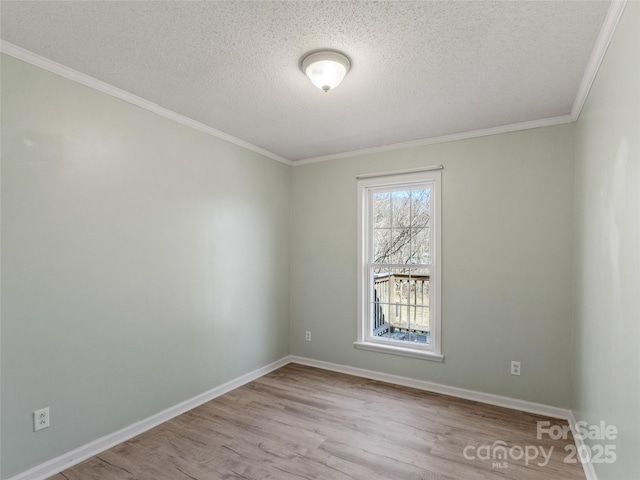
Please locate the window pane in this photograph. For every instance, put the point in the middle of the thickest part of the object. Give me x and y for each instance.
(398, 249)
(401, 208)
(380, 326)
(420, 208)
(381, 244)
(421, 246)
(407, 213)
(382, 210)
(402, 307)
(419, 305)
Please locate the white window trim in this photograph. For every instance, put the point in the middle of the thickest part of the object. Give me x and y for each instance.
(364, 340)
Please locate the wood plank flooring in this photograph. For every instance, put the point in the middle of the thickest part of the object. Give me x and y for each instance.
(305, 423)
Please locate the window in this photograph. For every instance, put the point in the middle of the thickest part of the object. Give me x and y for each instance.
(399, 264)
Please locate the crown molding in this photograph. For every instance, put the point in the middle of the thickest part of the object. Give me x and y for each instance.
(514, 127)
(602, 43)
(76, 76)
(597, 55)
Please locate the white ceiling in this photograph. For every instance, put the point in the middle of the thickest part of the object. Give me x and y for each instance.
(420, 70)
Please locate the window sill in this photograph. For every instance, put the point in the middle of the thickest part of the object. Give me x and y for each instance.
(405, 352)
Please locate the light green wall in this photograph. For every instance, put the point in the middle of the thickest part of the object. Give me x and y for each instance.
(507, 262)
(143, 263)
(131, 246)
(607, 238)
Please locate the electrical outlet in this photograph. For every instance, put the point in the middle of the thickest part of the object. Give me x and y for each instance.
(41, 419)
(515, 368)
(307, 336)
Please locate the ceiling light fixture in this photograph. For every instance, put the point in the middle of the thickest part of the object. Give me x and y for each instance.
(326, 69)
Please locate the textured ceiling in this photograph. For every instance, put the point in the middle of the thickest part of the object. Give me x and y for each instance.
(419, 69)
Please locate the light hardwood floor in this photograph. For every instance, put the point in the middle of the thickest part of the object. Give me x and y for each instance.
(305, 423)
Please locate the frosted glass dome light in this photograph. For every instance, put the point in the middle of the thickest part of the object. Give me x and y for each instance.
(326, 69)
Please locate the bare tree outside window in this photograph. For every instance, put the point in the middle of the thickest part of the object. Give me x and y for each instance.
(401, 242)
(402, 223)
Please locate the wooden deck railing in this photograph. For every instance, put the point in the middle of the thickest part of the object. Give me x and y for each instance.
(401, 303)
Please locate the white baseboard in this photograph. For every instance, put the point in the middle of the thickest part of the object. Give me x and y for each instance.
(58, 464)
(498, 400)
(589, 471)
(84, 452)
(489, 398)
